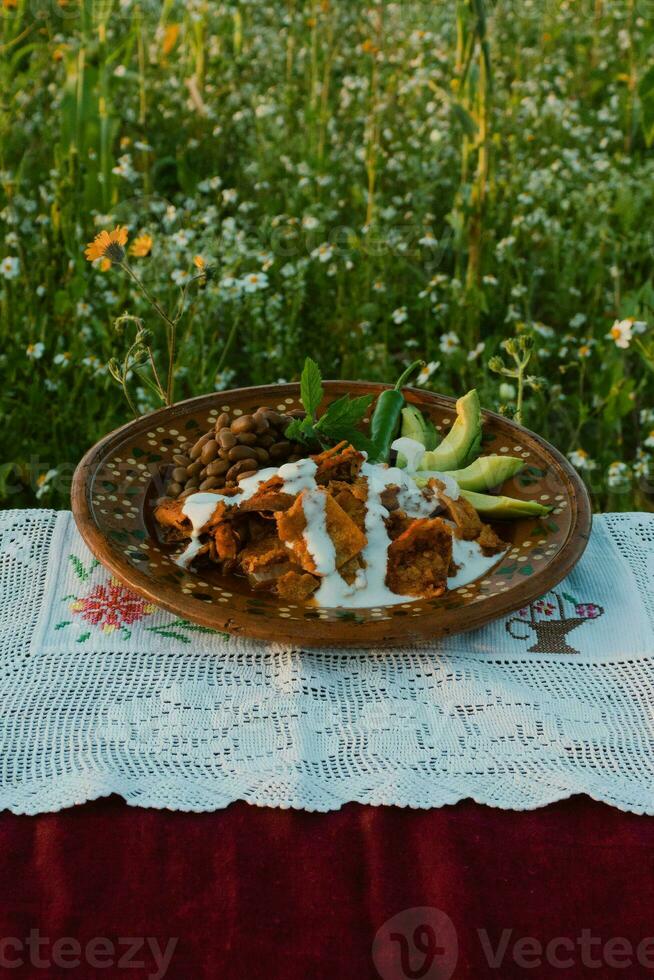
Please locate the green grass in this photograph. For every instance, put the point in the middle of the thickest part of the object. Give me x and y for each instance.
(407, 180)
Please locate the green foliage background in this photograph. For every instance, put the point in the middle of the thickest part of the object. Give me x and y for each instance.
(370, 182)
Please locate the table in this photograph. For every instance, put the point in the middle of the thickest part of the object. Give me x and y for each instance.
(254, 892)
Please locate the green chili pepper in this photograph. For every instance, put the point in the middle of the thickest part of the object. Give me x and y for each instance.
(386, 417)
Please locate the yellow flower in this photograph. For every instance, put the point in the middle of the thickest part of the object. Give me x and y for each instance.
(170, 38)
(199, 263)
(108, 245)
(141, 246)
(105, 265)
(10, 4)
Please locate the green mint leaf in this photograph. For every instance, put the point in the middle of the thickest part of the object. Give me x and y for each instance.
(301, 430)
(357, 439)
(311, 387)
(294, 429)
(344, 411)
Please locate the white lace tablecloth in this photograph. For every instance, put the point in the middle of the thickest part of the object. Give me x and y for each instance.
(102, 693)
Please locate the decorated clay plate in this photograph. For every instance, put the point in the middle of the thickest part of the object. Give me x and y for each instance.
(119, 479)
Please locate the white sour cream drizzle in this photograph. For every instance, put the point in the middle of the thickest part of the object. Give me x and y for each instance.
(199, 507)
(369, 587)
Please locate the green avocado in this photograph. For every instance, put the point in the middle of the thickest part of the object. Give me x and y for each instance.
(503, 508)
(416, 426)
(462, 443)
(487, 472)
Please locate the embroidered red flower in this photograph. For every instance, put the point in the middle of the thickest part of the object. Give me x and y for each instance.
(111, 607)
(545, 607)
(588, 610)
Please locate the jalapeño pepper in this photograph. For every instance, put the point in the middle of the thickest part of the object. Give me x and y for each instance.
(386, 417)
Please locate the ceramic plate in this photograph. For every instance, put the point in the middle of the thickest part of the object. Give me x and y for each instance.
(118, 481)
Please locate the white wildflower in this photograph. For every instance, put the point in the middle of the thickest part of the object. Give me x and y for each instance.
(425, 373)
(622, 331)
(254, 281)
(449, 342)
(323, 252)
(581, 460)
(10, 267)
(35, 351)
(180, 276)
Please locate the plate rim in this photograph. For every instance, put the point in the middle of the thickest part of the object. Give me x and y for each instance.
(372, 636)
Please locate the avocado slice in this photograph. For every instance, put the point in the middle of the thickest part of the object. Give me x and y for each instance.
(416, 426)
(503, 508)
(462, 443)
(487, 472)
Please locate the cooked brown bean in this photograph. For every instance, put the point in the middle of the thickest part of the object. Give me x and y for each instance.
(294, 458)
(226, 438)
(245, 423)
(194, 469)
(247, 438)
(179, 474)
(243, 466)
(192, 484)
(272, 417)
(211, 483)
(222, 422)
(174, 489)
(280, 449)
(261, 423)
(218, 467)
(199, 445)
(297, 413)
(267, 440)
(209, 451)
(181, 460)
(284, 424)
(262, 454)
(245, 474)
(241, 452)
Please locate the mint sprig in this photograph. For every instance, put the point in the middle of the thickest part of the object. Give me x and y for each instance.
(311, 390)
(339, 420)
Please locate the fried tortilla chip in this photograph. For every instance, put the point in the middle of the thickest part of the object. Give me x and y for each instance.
(397, 523)
(341, 462)
(263, 553)
(269, 497)
(489, 542)
(346, 537)
(419, 559)
(226, 540)
(169, 514)
(354, 507)
(296, 586)
(467, 520)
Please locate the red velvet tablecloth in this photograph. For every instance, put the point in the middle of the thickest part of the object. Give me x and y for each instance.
(245, 893)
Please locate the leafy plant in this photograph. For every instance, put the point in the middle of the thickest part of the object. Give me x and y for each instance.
(338, 422)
